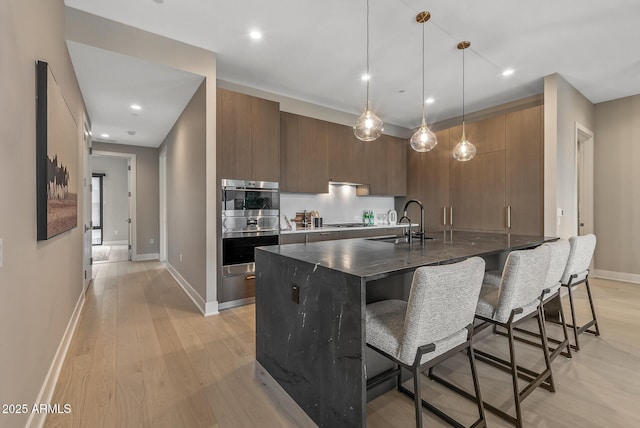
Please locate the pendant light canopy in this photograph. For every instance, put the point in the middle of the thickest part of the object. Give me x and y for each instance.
(464, 150)
(423, 139)
(368, 126)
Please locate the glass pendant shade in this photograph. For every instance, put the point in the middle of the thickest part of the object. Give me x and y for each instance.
(368, 127)
(423, 139)
(464, 150)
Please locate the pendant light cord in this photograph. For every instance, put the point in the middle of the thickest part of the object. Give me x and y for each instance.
(423, 78)
(463, 86)
(368, 75)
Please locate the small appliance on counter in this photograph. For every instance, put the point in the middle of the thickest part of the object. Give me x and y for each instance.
(392, 215)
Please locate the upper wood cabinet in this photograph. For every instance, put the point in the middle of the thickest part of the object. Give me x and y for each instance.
(248, 137)
(386, 160)
(525, 170)
(304, 149)
(346, 155)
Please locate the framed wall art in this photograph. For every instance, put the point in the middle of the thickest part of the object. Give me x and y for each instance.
(56, 158)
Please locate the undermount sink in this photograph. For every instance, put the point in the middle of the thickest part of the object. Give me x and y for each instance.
(396, 239)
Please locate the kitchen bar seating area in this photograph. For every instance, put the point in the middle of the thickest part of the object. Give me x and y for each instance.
(311, 326)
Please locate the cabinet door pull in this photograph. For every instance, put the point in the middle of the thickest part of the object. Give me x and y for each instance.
(444, 216)
(250, 277)
(325, 233)
(451, 216)
(509, 217)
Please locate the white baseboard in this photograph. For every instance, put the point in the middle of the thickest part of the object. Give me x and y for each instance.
(147, 256)
(211, 308)
(125, 242)
(616, 276)
(207, 308)
(36, 420)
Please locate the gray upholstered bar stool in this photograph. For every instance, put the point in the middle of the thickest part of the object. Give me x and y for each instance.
(576, 273)
(516, 300)
(433, 325)
(557, 265)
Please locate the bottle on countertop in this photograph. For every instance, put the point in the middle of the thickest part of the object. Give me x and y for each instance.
(371, 217)
(365, 217)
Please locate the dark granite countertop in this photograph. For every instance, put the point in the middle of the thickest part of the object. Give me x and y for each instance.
(369, 259)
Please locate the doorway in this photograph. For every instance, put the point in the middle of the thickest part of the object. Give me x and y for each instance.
(584, 180)
(97, 208)
(113, 206)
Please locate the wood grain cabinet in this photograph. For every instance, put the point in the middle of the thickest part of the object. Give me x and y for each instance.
(386, 160)
(304, 151)
(248, 137)
(477, 187)
(525, 171)
(435, 186)
(346, 154)
(500, 189)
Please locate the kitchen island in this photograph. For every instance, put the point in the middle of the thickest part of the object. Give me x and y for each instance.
(310, 318)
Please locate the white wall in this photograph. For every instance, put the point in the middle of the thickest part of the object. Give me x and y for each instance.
(40, 282)
(564, 107)
(617, 188)
(340, 205)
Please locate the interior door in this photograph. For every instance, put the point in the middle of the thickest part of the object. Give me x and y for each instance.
(87, 260)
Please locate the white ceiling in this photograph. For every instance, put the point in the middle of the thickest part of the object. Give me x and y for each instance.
(111, 83)
(315, 50)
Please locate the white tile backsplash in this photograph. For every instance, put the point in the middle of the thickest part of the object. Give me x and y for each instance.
(340, 205)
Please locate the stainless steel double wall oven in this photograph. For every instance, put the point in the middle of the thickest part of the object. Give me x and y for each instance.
(250, 219)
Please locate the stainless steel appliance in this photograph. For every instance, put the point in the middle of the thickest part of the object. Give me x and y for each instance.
(250, 219)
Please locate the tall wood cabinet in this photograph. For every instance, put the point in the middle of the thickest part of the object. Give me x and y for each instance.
(248, 137)
(501, 186)
(477, 186)
(525, 171)
(428, 182)
(304, 150)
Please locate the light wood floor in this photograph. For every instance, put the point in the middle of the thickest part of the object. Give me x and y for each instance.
(144, 356)
(116, 253)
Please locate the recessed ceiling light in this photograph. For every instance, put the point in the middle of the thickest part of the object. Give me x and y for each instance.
(132, 133)
(365, 77)
(429, 100)
(136, 107)
(255, 34)
(104, 135)
(508, 72)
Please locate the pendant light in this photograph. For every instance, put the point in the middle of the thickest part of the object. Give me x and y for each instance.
(464, 150)
(368, 126)
(423, 139)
